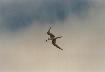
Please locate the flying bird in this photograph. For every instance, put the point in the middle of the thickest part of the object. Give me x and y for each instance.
(53, 38)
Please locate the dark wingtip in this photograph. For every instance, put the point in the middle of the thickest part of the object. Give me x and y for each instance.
(61, 49)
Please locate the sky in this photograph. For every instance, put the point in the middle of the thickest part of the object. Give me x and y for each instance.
(23, 27)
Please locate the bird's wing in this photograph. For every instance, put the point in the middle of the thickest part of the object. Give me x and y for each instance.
(56, 46)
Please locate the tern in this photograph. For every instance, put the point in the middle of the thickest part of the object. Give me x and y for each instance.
(53, 38)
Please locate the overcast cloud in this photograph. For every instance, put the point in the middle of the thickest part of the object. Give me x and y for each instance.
(23, 27)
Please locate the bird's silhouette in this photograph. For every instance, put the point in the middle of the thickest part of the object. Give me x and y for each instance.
(53, 38)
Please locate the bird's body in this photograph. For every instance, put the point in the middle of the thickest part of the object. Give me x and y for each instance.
(53, 38)
(51, 35)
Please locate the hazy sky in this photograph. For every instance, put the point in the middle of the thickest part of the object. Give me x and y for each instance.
(23, 27)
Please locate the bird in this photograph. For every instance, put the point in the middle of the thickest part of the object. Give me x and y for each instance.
(54, 43)
(53, 38)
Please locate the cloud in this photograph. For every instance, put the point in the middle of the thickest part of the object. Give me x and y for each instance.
(83, 40)
(15, 15)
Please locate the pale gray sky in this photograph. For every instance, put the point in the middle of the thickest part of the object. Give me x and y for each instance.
(22, 36)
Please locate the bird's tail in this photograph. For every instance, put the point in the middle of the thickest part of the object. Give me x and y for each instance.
(51, 25)
(49, 31)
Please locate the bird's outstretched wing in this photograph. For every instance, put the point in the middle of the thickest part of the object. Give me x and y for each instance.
(56, 46)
